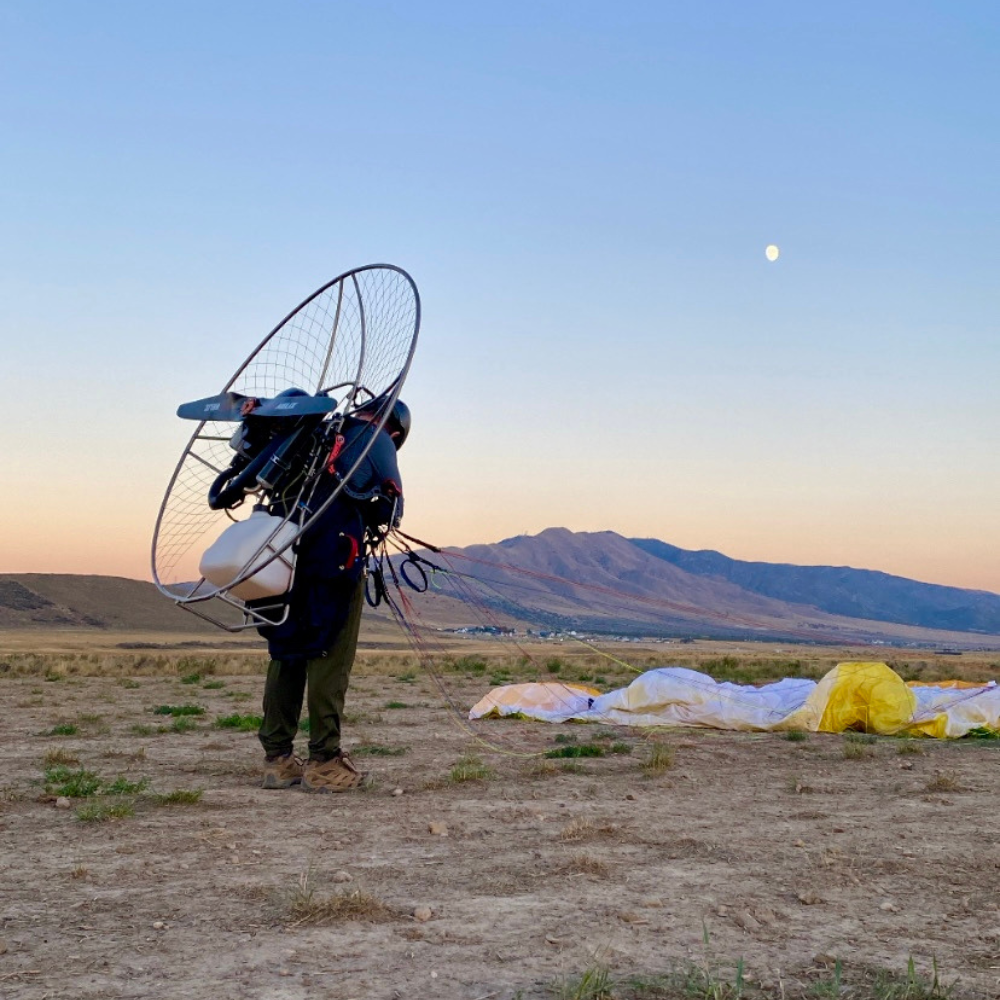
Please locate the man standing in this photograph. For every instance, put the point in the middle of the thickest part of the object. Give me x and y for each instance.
(314, 649)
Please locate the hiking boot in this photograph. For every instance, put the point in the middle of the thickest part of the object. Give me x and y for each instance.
(282, 772)
(338, 774)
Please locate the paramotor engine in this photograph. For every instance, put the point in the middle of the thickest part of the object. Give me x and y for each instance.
(344, 352)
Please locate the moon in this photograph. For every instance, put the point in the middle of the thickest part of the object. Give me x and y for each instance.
(772, 252)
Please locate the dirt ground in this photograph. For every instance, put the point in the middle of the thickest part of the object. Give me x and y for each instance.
(794, 867)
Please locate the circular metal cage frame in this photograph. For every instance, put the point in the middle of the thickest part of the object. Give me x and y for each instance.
(354, 338)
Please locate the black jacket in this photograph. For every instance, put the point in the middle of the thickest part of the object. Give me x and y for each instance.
(330, 555)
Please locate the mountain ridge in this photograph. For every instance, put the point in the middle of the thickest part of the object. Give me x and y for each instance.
(843, 590)
(582, 579)
(600, 582)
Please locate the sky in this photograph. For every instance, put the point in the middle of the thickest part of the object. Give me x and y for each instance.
(583, 194)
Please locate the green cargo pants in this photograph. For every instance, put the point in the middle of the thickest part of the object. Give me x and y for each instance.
(326, 677)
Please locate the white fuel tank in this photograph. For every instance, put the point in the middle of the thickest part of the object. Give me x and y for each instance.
(257, 538)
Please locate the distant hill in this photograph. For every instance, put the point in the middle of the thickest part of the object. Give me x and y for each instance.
(595, 582)
(30, 601)
(600, 581)
(840, 590)
(603, 582)
(63, 600)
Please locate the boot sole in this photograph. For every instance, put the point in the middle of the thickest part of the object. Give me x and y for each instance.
(332, 790)
(274, 783)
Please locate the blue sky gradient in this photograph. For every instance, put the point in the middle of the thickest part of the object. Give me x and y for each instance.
(583, 194)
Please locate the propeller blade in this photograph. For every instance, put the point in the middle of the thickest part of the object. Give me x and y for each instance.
(295, 406)
(230, 406)
(225, 406)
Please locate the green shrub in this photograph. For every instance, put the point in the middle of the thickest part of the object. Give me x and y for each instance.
(62, 729)
(577, 750)
(179, 797)
(244, 723)
(98, 812)
(122, 786)
(79, 784)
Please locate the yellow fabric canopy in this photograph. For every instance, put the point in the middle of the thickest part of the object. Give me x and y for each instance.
(865, 696)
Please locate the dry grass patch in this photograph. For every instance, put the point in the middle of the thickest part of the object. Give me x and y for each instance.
(471, 768)
(586, 864)
(132, 660)
(134, 756)
(355, 718)
(588, 829)
(309, 907)
(659, 759)
(541, 769)
(944, 781)
(859, 746)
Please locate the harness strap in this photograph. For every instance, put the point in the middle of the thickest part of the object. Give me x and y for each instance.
(331, 459)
